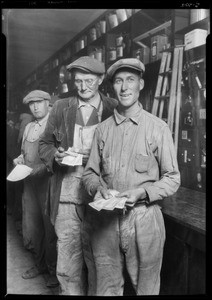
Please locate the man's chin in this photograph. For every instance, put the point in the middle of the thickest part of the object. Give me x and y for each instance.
(87, 96)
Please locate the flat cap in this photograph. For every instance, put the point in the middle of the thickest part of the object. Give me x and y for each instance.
(36, 95)
(132, 63)
(87, 64)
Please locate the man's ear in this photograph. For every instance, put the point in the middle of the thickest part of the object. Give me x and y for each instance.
(47, 103)
(101, 78)
(141, 84)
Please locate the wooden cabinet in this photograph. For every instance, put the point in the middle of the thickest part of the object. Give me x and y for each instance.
(184, 260)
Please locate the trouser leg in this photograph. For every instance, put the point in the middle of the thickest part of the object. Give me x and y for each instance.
(50, 237)
(102, 253)
(70, 261)
(17, 211)
(50, 245)
(32, 224)
(145, 253)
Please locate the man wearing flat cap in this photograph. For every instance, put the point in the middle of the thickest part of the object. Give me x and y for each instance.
(132, 154)
(71, 126)
(38, 232)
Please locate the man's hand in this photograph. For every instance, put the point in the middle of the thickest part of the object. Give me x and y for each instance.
(38, 170)
(59, 156)
(102, 193)
(133, 196)
(18, 161)
(85, 154)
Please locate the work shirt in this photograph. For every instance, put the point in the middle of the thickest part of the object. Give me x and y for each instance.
(88, 117)
(130, 153)
(32, 132)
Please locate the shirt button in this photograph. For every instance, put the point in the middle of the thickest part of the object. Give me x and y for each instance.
(123, 166)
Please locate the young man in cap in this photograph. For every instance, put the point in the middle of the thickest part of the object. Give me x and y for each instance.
(132, 153)
(38, 232)
(72, 123)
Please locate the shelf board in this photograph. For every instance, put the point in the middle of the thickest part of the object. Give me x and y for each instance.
(99, 41)
(81, 52)
(202, 24)
(151, 32)
(121, 27)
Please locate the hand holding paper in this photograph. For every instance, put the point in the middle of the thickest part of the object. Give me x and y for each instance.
(73, 158)
(109, 204)
(19, 172)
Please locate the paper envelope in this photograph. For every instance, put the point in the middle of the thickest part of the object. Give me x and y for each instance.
(19, 172)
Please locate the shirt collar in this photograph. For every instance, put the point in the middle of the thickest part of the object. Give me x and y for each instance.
(135, 119)
(40, 122)
(93, 102)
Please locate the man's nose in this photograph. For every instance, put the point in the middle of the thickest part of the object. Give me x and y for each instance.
(83, 85)
(124, 85)
(35, 105)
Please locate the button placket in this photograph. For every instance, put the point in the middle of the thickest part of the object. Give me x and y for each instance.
(126, 133)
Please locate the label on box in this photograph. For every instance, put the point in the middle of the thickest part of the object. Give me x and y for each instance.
(184, 134)
(195, 38)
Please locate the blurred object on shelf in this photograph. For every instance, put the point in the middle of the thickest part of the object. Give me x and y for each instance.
(143, 54)
(92, 34)
(81, 43)
(195, 38)
(121, 15)
(98, 30)
(64, 88)
(112, 54)
(198, 15)
(102, 26)
(119, 40)
(113, 20)
(91, 54)
(157, 45)
(129, 12)
(98, 54)
(119, 51)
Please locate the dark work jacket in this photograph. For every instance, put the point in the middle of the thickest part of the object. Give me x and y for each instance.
(59, 131)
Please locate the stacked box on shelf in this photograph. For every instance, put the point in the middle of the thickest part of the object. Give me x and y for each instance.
(158, 43)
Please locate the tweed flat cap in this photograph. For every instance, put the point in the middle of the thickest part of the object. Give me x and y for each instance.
(132, 63)
(36, 95)
(87, 64)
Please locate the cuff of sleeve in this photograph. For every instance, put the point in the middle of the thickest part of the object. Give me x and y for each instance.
(94, 189)
(151, 196)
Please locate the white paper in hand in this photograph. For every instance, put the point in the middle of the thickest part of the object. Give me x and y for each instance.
(72, 160)
(109, 204)
(19, 172)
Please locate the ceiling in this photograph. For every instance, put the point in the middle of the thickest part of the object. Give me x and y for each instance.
(33, 35)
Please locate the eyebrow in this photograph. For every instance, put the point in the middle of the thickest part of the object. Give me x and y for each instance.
(119, 77)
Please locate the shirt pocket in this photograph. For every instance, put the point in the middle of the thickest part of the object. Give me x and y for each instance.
(142, 163)
(106, 165)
